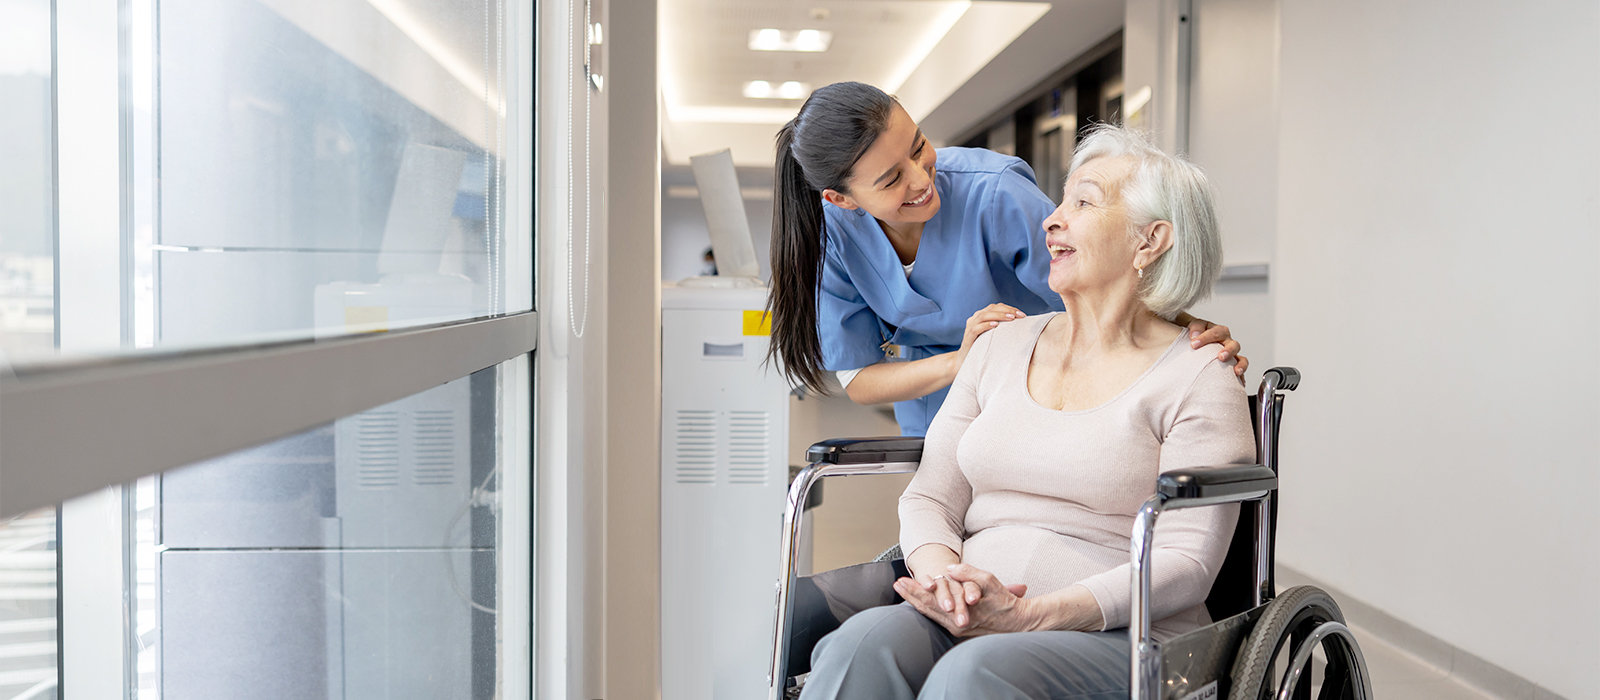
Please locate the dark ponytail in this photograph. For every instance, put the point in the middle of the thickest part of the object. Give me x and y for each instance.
(816, 152)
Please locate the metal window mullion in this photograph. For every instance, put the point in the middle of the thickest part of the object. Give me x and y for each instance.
(90, 160)
(69, 431)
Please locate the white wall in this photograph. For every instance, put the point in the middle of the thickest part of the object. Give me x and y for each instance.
(571, 382)
(1422, 177)
(1233, 131)
(633, 354)
(1438, 230)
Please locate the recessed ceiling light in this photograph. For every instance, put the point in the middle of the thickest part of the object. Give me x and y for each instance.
(789, 90)
(765, 40)
(807, 40)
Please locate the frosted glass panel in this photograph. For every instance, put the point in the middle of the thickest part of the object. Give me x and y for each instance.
(27, 206)
(28, 592)
(365, 558)
(324, 167)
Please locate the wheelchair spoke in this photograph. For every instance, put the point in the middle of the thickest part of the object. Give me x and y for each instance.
(1336, 679)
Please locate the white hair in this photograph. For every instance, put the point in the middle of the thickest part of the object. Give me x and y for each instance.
(1163, 187)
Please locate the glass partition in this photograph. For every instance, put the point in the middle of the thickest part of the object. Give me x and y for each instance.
(28, 595)
(27, 179)
(358, 559)
(285, 170)
(320, 168)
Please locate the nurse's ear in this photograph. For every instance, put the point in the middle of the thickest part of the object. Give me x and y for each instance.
(839, 199)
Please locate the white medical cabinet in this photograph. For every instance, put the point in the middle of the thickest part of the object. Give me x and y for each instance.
(724, 449)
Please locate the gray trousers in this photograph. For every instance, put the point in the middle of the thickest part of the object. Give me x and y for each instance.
(895, 653)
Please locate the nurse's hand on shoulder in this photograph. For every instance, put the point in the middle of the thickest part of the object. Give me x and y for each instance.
(1203, 332)
(986, 319)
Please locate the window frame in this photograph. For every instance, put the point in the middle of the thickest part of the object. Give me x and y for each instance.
(154, 411)
(74, 430)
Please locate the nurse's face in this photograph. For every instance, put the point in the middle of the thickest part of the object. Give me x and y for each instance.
(1091, 250)
(893, 181)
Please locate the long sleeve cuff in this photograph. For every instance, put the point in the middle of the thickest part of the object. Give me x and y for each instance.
(1114, 604)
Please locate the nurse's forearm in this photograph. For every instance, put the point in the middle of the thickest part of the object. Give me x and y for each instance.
(888, 382)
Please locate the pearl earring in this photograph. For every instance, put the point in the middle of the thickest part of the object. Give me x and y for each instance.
(1141, 271)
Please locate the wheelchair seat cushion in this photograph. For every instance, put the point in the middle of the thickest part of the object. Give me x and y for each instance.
(824, 601)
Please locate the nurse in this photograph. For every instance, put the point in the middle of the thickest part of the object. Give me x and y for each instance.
(890, 257)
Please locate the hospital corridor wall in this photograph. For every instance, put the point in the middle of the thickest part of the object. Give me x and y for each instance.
(1431, 268)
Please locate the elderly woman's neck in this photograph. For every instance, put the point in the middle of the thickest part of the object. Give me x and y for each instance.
(1109, 323)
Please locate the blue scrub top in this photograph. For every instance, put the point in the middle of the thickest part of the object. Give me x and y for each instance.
(985, 246)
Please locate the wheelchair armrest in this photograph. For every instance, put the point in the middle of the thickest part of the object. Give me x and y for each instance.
(873, 450)
(1187, 488)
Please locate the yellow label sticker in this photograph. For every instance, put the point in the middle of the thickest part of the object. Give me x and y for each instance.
(366, 319)
(757, 323)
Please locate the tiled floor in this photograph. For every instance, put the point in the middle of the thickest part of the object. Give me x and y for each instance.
(1397, 675)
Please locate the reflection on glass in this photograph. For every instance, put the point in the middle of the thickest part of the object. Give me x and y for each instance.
(27, 204)
(323, 168)
(359, 559)
(28, 592)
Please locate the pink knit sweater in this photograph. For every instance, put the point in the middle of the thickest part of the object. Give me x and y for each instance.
(1047, 498)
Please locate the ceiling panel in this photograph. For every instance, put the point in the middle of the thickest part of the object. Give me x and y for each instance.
(932, 53)
(704, 43)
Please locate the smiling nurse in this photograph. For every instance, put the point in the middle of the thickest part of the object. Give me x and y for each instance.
(890, 257)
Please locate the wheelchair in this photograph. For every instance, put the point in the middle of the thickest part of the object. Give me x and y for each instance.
(1261, 646)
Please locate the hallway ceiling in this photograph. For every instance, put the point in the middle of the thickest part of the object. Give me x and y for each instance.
(708, 60)
(922, 51)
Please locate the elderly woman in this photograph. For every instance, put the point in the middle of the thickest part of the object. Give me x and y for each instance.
(1017, 524)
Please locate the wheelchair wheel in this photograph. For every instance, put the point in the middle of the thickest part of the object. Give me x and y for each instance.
(1297, 622)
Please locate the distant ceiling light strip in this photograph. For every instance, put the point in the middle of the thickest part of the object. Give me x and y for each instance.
(789, 90)
(805, 40)
(941, 25)
(731, 115)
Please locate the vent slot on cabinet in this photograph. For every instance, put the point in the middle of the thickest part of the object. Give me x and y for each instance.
(695, 451)
(748, 437)
(433, 447)
(378, 450)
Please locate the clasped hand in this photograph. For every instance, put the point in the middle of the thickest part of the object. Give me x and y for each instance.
(969, 602)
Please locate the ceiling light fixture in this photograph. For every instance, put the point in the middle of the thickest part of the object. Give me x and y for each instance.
(788, 90)
(758, 89)
(806, 40)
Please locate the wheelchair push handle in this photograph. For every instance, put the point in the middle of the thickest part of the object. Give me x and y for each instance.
(1281, 378)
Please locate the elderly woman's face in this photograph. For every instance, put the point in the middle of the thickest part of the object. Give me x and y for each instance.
(1090, 248)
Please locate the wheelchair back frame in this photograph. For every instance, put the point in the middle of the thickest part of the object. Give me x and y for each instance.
(1198, 662)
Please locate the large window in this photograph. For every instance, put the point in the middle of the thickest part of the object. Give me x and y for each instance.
(323, 167)
(28, 562)
(361, 558)
(27, 212)
(261, 274)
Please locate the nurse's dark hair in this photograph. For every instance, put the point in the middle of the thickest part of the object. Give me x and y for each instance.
(816, 152)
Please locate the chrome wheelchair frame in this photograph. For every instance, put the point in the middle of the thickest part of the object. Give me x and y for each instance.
(1234, 657)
